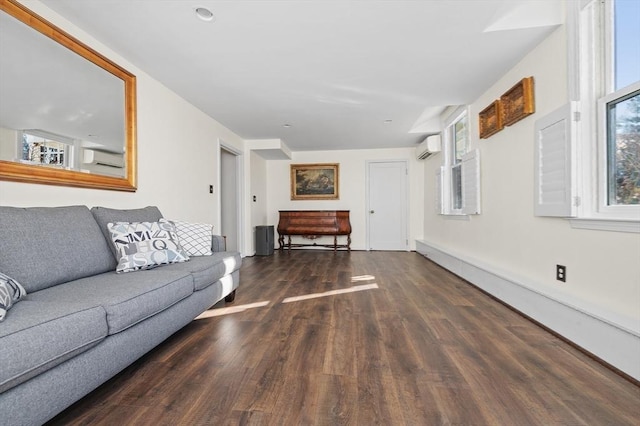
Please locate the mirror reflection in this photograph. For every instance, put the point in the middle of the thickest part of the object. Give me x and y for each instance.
(64, 113)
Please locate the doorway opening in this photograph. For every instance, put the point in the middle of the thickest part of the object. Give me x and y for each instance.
(231, 209)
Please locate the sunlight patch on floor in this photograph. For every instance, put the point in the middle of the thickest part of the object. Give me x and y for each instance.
(230, 310)
(359, 278)
(331, 293)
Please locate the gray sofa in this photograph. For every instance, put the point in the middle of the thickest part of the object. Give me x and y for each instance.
(81, 322)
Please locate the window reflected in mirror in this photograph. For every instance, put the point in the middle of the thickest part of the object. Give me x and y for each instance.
(41, 148)
(43, 151)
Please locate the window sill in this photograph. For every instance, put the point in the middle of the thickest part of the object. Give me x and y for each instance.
(614, 225)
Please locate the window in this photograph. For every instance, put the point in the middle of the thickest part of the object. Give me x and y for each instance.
(604, 72)
(42, 148)
(622, 126)
(458, 190)
(459, 147)
(456, 142)
(619, 108)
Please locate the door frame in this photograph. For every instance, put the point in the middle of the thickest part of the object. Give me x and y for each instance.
(222, 145)
(405, 197)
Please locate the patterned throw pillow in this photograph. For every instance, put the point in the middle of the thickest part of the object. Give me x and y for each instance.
(194, 237)
(10, 292)
(145, 245)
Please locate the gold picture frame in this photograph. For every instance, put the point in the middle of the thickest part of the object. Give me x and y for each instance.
(518, 102)
(490, 119)
(315, 181)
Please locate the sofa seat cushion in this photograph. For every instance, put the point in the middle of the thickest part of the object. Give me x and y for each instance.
(206, 270)
(127, 298)
(37, 336)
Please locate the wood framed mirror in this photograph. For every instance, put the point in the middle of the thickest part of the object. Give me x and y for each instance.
(67, 113)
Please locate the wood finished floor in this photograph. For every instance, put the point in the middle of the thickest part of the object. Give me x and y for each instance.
(424, 348)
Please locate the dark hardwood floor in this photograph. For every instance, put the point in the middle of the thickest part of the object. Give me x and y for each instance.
(423, 348)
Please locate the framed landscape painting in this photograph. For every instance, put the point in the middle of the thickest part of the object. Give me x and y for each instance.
(315, 181)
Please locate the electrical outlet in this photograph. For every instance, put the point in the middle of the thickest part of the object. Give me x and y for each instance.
(210, 189)
(561, 273)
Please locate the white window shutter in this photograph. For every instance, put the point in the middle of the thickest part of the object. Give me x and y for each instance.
(439, 188)
(553, 174)
(471, 182)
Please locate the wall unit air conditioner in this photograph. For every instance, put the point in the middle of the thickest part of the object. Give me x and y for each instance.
(103, 158)
(429, 146)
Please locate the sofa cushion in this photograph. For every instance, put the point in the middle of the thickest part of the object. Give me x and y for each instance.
(45, 246)
(146, 245)
(127, 298)
(195, 238)
(10, 292)
(37, 336)
(206, 270)
(104, 216)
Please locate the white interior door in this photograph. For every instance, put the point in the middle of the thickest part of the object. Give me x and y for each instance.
(387, 205)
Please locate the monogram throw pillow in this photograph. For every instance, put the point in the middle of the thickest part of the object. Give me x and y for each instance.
(145, 245)
(10, 292)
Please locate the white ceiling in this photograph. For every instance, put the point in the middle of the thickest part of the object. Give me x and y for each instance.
(334, 70)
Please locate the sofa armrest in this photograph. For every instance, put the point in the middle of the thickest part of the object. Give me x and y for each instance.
(218, 243)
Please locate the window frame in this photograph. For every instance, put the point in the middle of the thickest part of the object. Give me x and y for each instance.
(590, 77)
(451, 161)
(604, 167)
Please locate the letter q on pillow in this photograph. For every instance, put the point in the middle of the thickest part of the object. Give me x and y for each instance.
(145, 245)
(10, 292)
(194, 237)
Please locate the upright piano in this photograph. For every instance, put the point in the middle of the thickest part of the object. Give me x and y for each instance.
(312, 224)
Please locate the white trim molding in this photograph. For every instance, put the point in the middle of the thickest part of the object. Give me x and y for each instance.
(607, 335)
(606, 225)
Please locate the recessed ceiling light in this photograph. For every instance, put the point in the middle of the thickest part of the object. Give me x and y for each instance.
(387, 121)
(204, 14)
(287, 126)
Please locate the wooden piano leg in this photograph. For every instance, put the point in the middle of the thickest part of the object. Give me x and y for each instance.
(349, 242)
(281, 242)
(335, 243)
(289, 240)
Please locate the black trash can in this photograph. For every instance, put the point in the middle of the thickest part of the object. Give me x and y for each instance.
(264, 240)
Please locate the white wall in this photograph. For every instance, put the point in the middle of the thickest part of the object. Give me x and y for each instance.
(603, 278)
(352, 188)
(178, 152)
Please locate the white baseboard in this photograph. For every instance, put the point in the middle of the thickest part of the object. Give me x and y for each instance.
(606, 335)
